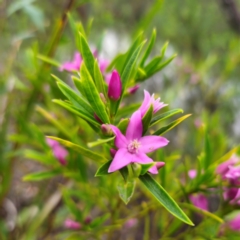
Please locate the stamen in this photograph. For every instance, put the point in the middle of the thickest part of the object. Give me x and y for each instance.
(133, 146)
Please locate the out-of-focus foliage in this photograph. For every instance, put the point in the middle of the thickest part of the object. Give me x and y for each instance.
(201, 80)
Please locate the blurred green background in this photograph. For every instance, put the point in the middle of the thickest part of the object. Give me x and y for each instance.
(202, 80)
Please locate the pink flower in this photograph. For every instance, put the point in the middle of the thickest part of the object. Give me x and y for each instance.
(223, 168)
(58, 151)
(74, 65)
(199, 200)
(132, 148)
(233, 172)
(70, 224)
(234, 224)
(115, 86)
(148, 100)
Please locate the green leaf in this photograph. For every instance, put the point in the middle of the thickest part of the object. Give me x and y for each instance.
(164, 116)
(100, 141)
(171, 125)
(207, 152)
(71, 205)
(149, 48)
(48, 60)
(123, 124)
(100, 83)
(161, 66)
(162, 196)
(147, 118)
(38, 176)
(103, 170)
(84, 151)
(92, 94)
(124, 172)
(129, 65)
(39, 157)
(75, 98)
(127, 110)
(146, 167)
(205, 213)
(152, 64)
(126, 190)
(87, 55)
(77, 112)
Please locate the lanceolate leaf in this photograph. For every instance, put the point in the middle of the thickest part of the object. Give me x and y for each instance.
(147, 118)
(79, 112)
(100, 141)
(171, 125)
(82, 150)
(164, 116)
(100, 83)
(49, 60)
(126, 190)
(130, 65)
(149, 48)
(92, 94)
(162, 196)
(87, 55)
(103, 170)
(38, 176)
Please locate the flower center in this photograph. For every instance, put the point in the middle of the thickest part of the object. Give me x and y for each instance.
(133, 146)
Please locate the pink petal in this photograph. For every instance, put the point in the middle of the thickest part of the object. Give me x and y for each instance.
(151, 143)
(146, 103)
(134, 129)
(121, 159)
(143, 159)
(120, 140)
(199, 200)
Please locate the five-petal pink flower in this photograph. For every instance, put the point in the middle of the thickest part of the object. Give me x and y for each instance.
(133, 147)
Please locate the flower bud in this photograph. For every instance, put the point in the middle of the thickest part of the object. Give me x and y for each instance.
(103, 98)
(133, 89)
(113, 152)
(70, 224)
(106, 130)
(115, 86)
(97, 118)
(160, 164)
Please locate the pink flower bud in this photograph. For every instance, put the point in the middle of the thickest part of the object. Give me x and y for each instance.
(97, 118)
(160, 164)
(106, 129)
(70, 224)
(115, 86)
(113, 152)
(88, 220)
(133, 89)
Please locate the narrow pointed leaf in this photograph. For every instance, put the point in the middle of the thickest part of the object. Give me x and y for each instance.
(82, 150)
(100, 141)
(124, 172)
(79, 112)
(153, 64)
(126, 190)
(146, 167)
(166, 200)
(149, 48)
(103, 170)
(38, 176)
(99, 81)
(164, 116)
(123, 124)
(147, 119)
(171, 125)
(92, 94)
(87, 55)
(48, 60)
